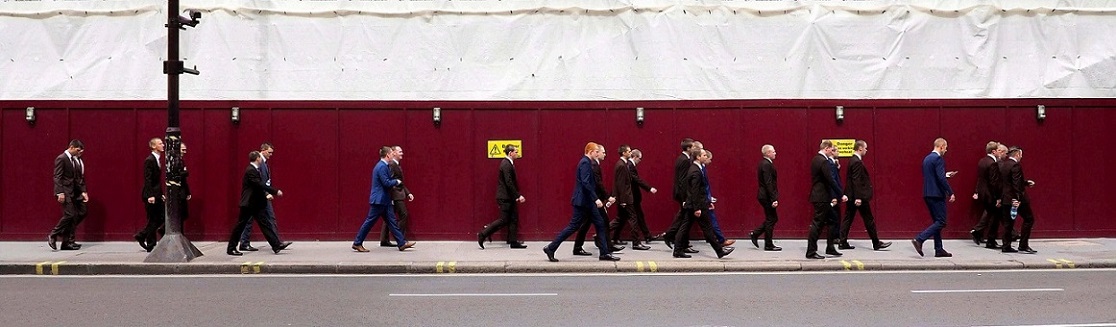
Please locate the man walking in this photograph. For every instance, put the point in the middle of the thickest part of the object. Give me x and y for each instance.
(153, 196)
(268, 220)
(1015, 192)
(858, 187)
(585, 203)
(935, 192)
(698, 206)
(508, 199)
(625, 187)
(381, 205)
(254, 195)
(399, 197)
(822, 196)
(69, 189)
(987, 194)
(768, 197)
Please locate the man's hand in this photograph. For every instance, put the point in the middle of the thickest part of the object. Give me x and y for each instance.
(697, 213)
(998, 203)
(712, 199)
(712, 207)
(151, 200)
(833, 203)
(188, 197)
(653, 190)
(976, 197)
(611, 200)
(521, 199)
(952, 198)
(775, 204)
(84, 197)
(61, 198)
(600, 204)
(410, 197)
(270, 197)
(279, 192)
(844, 198)
(857, 202)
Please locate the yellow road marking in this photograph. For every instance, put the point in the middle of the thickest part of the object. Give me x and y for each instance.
(54, 267)
(39, 267)
(1068, 263)
(453, 266)
(848, 266)
(639, 266)
(438, 267)
(859, 265)
(654, 267)
(256, 267)
(249, 267)
(1057, 264)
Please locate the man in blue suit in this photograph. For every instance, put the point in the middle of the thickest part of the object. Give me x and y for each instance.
(382, 205)
(585, 203)
(935, 191)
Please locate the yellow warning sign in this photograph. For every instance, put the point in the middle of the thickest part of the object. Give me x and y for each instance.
(496, 147)
(844, 147)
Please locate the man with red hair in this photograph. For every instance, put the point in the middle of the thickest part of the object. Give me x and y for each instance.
(585, 203)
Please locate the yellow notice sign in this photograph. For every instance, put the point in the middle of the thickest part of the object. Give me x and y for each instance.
(496, 147)
(844, 147)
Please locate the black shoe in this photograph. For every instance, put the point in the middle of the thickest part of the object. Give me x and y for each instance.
(609, 257)
(681, 255)
(518, 245)
(833, 252)
(281, 246)
(480, 240)
(1009, 250)
(52, 241)
(581, 252)
(248, 248)
(918, 247)
(1027, 250)
(814, 256)
(640, 247)
(772, 248)
(616, 248)
(690, 250)
(725, 251)
(75, 246)
(755, 239)
(619, 242)
(846, 246)
(387, 245)
(881, 246)
(142, 242)
(233, 252)
(976, 236)
(67, 247)
(669, 243)
(992, 245)
(943, 254)
(549, 254)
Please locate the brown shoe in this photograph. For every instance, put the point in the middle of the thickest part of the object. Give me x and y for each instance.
(728, 243)
(409, 245)
(359, 248)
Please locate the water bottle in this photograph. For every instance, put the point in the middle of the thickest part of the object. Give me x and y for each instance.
(1014, 212)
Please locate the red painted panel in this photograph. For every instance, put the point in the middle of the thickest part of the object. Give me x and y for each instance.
(1046, 162)
(113, 175)
(555, 163)
(968, 131)
(659, 148)
(306, 172)
(364, 131)
(29, 209)
(534, 181)
(215, 173)
(903, 138)
(858, 123)
(1092, 178)
(434, 161)
(784, 128)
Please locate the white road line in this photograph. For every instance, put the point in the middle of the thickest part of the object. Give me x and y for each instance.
(607, 274)
(471, 294)
(1067, 325)
(1004, 290)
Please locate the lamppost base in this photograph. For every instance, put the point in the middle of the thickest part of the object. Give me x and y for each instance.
(173, 248)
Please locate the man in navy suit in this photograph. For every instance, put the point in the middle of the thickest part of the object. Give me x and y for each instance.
(268, 221)
(935, 191)
(382, 205)
(254, 194)
(585, 203)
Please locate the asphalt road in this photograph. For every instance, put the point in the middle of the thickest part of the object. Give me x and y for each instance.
(968, 298)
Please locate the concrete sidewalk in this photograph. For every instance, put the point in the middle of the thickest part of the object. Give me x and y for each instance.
(308, 257)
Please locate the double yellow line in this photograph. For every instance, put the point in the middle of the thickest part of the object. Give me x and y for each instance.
(651, 266)
(1058, 263)
(53, 267)
(446, 267)
(249, 267)
(849, 265)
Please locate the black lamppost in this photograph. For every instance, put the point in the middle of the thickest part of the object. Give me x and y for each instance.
(174, 247)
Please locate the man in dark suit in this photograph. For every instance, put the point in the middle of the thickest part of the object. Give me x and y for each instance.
(184, 208)
(381, 205)
(508, 199)
(399, 197)
(987, 194)
(935, 192)
(254, 195)
(602, 193)
(1015, 186)
(268, 220)
(152, 195)
(626, 188)
(638, 186)
(822, 195)
(681, 166)
(698, 206)
(835, 221)
(69, 189)
(768, 197)
(858, 188)
(585, 203)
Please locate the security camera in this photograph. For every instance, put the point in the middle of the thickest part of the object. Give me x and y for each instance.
(192, 20)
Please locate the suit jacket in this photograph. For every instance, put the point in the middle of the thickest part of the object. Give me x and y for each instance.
(152, 178)
(988, 186)
(934, 182)
(857, 183)
(507, 188)
(637, 184)
(1014, 183)
(697, 195)
(681, 165)
(254, 190)
(622, 183)
(768, 182)
(822, 187)
(382, 184)
(67, 178)
(398, 193)
(836, 174)
(602, 192)
(584, 192)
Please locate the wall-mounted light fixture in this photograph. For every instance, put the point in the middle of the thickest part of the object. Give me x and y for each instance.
(236, 115)
(437, 116)
(840, 114)
(639, 116)
(30, 115)
(1040, 112)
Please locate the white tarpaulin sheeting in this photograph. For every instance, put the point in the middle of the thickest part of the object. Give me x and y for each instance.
(562, 50)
